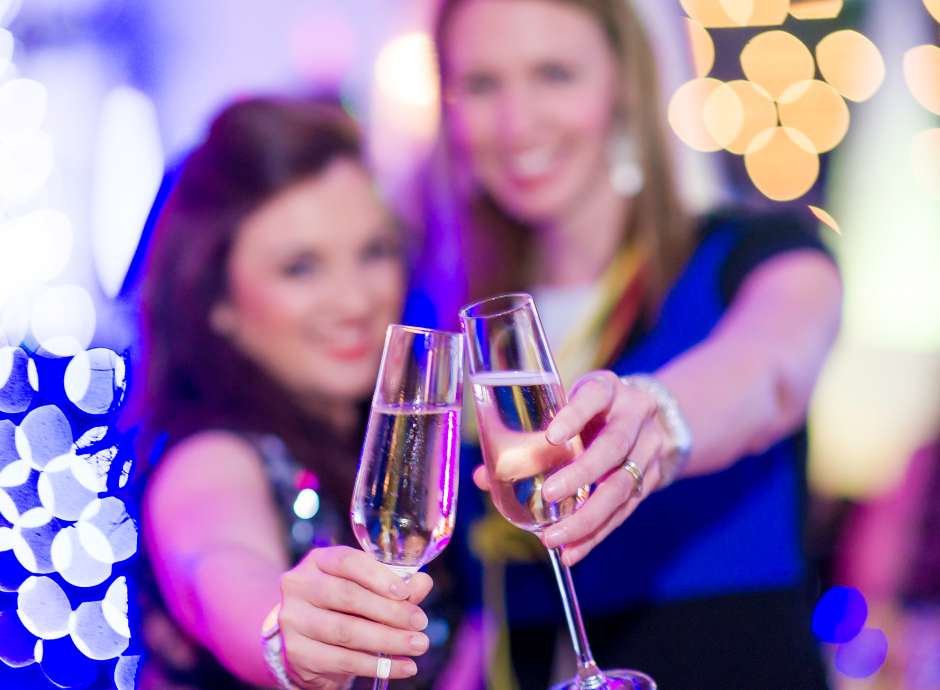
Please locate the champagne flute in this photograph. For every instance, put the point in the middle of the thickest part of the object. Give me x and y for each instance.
(405, 496)
(517, 393)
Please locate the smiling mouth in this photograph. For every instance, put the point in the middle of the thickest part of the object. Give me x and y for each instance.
(530, 166)
(350, 353)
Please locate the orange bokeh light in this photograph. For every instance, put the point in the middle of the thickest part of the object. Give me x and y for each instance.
(816, 9)
(782, 164)
(826, 219)
(776, 60)
(851, 63)
(922, 74)
(933, 6)
(723, 14)
(687, 114)
(738, 111)
(925, 158)
(702, 47)
(817, 110)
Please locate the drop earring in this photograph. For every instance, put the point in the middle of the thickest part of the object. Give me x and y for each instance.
(626, 174)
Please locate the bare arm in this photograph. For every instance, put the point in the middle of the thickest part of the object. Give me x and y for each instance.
(221, 563)
(218, 554)
(749, 383)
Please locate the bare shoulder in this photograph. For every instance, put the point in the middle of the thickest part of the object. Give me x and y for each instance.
(216, 462)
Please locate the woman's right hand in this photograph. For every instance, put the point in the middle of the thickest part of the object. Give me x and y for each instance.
(340, 608)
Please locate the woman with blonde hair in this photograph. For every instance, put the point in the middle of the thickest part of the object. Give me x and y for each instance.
(692, 344)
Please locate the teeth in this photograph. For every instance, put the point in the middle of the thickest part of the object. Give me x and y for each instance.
(531, 163)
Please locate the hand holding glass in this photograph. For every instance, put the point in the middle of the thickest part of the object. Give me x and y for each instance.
(517, 393)
(404, 501)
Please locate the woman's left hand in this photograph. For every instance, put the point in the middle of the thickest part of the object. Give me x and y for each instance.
(617, 423)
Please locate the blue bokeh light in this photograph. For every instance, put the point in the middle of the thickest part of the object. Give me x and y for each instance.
(840, 614)
(864, 655)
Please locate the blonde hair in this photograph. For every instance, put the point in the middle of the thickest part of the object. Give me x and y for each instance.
(495, 245)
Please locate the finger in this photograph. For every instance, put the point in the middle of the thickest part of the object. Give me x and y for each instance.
(308, 660)
(339, 594)
(593, 394)
(360, 567)
(481, 478)
(614, 489)
(606, 451)
(352, 632)
(420, 586)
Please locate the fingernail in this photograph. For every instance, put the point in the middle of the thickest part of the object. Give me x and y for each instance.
(398, 589)
(419, 621)
(551, 492)
(418, 642)
(554, 434)
(409, 667)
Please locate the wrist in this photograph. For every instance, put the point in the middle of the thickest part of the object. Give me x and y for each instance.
(673, 421)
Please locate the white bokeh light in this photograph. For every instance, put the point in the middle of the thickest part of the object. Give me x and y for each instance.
(92, 470)
(125, 672)
(92, 635)
(74, 563)
(93, 377)
(26, 162)
(44, 434)
(90, 437)
(6, 50)
(128, 170)
(60, 491)
(8, 11)
(15, 473)
(106, 531)
(43, 608)
(114, 606)
(14, 319)
(63, 320)
(34, 249)
(23, 105)
(33, 534)
(16, 389)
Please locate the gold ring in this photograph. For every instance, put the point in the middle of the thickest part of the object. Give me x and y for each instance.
(636, 474)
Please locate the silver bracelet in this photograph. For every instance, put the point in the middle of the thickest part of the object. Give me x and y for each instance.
(273, 648)
(672, 418)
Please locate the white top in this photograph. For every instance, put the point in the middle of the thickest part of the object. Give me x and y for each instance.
(562, 309)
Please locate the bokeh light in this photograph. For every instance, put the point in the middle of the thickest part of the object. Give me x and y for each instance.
(851, 63)
(106, 531)
(925, 160)
(721, 14)
(60, 491)
(922, 74)
(19, 645)
(92, 634)
(34, 248)
(776, 60)
(933, 6)
(16, 386)
(26, 162)
(6, 50)
(114, 607)
(23, 105)
(863, 656)
(701, 46)
(839, 615)
(826, 219)
(33, 534)
(782, 163)
(74, 563)
(816, 9)
(407, 84)
(44, 608)
(736, 112)
(44, 434)
(306, 504)
(818, 111)
(93, 378)
(125, 672)
(63, 320)
(686, 114)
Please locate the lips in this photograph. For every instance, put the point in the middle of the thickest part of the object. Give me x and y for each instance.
(350, 352)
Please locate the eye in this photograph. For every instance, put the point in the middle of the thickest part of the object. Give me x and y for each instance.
(381, 249)
(478, 84)
(300, 266)
(555, 72)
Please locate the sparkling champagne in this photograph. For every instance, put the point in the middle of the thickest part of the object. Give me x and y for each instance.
(404, 499)
(514, 408)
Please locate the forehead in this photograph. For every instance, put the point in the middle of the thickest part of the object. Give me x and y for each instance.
(487, 32)
(340, 203)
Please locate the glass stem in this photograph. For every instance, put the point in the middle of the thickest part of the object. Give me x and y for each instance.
(381, 683)
(405, 574)
(589, 676)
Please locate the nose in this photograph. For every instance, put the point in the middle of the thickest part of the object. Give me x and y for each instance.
(517, 115)
(352, 298)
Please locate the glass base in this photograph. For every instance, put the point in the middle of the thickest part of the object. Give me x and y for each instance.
(617, 679)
